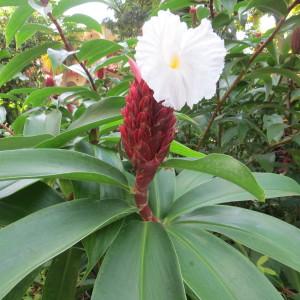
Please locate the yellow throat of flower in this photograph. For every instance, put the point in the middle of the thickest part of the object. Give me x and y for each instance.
(175, 62)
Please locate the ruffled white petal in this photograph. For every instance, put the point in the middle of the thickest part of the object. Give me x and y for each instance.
(200, 55)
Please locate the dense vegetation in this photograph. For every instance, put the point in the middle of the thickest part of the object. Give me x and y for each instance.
(226, 198)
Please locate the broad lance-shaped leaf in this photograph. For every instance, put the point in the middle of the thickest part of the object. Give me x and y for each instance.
(49, 232)
(97, 244)
(88, 21)
(94, 50)
(52, 163)
(28, 30)
(140, 265)
(212, 269)
(16, 21)
(102, 112)
(161, 192)
(61, 280)
(10, 187)
(223, 166)
(278, 7)
(64, 5)
(195, 190)
(27, 201)
(20, 142)
(12, 2)
(180, 149)
(258, 231)
(40, 96)
(20, 61)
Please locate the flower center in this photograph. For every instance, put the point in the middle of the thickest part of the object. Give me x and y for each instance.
(175, 62)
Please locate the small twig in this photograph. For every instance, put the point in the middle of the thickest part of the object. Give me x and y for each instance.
(273, 146)
(6, 128)
(211, 8)
(69, 47)
(281, 143)
(243, 72)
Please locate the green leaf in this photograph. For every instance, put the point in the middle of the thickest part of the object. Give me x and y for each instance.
(161, 192)
(4, 53)
(62, 276)
(275, 132)
(97, 244)
(274, 70)
(12, 2)
(10, 187)
(49, 232)
(140, 265)
(229, 5)
(221, 20)
(16, 21)
(223, 166)
(111, 60)
(94, 50)
(275, 127)
(28, 30)
(21, 142)
(93, 189)
(202, 13)
(175, 4)
(40, 96)
(64, 5)
(20, 61)
(278, 7)
(290, 24)
(212, 269)
(184, 117)
(53, 163)
(180, 149)
(120, 89)
(27, 201)
(266, 161)
(261, 232)
(197, 191)
(104, 111)
(188, 180)
(88, 21)
(43, 123)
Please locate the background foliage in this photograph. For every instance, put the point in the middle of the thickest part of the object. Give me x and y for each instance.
(257, 122)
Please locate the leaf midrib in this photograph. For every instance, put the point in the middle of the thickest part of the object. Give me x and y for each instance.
(193, 249)
(142, 261)
(249, 233)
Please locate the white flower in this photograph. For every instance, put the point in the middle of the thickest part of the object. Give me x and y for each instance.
(180, 65)
(43, 10)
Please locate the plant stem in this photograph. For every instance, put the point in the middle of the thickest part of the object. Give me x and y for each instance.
(141, 200)
(211, 8)
(243, 72)
(7, 129)
(69, 47)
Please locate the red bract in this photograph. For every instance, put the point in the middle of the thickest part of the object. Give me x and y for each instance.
(100, 73)
(49, 81)
(148, 130)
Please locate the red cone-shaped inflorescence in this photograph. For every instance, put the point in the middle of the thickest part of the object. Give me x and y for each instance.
(148, 130)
